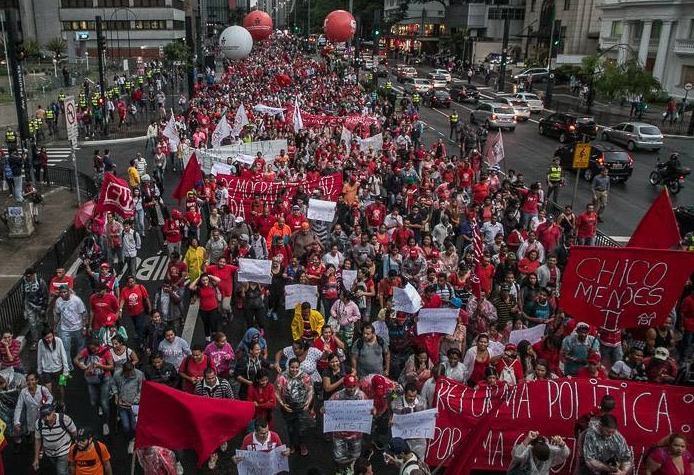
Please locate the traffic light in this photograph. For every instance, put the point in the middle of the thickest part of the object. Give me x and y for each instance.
(101, 42)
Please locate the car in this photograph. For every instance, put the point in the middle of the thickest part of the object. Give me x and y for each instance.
(494, 115)
(438, 81)
(619, 163)
(397, 68)
(685, 219)
(417, 84)
(534, 74)
(462, 92)
(437, 98)
(408, 72)
(534, 102)
(520, 107)
(568, 126)
(634, 135)
(441, 72)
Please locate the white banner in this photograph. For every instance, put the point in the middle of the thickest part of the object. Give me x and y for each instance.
(247, 159)
(406, 300)
(240, 120)
(294, 294)
(171, 133)
(269, 148)
(533, 335)
(348, 278)
(437, 320)
(376, 142)
(348, 416)
(263, 109)
(258, 462)
(346, 136)
(255, 270)
(221, 169)
(415, 425)
(222, 131)
(321, 210)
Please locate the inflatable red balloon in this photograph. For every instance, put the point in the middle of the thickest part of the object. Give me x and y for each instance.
(259, 25)
(339, 26)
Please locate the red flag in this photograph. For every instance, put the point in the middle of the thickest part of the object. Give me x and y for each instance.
(192, 175)
(495, 150)
(116, 197)
(658, 228)
(177, 420)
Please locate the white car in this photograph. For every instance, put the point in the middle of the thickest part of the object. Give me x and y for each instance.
(534, 103)
(417, 84)
(519, 106)
(441, 72)
(438, 81)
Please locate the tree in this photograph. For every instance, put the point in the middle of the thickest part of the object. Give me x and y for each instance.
(31, 46)
(612, 80)
(178, 52)
(57, 46)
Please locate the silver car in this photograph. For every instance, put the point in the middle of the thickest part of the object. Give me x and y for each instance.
(519, 106)
(494, 115)
(417, 84)
(634, 135)
(534, 103)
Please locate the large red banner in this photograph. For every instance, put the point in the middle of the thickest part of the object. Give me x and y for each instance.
(116, 197)
(349, 121)
(645, 412)
(242, 190)
(614, 288)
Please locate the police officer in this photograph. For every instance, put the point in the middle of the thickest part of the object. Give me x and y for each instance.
(389, 86)
(11, 140)
(415, 100)
(555, 179)
(453, 121)
(50, 119)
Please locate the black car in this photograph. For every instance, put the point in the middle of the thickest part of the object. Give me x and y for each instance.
(568, 126)
(685, 219)
(619, 163)
(437, 98)
(465, 93)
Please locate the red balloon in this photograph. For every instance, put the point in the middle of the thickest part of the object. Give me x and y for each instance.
(259, 25)
(339, 25)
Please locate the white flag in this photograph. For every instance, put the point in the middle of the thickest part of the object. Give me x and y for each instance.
(240, 121)
(346, 136)
(171, 133)
(495, 150)
(222, 131)
(298, 122)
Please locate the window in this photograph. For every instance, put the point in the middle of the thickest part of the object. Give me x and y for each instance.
(114, 3)
(532, 5)
(691, 29)
(149, 3)
(79, 25)
(77, 4)
(637, 30)
(567, 4)
(150, 25)
(687, 75)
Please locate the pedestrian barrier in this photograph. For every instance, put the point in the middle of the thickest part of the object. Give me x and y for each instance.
(601, 239)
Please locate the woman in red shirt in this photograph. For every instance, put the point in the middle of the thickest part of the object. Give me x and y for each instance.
(204, 287)
(529, 264)
(262, 394)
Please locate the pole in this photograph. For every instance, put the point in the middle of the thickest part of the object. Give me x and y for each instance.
(578, 176)
(101, 42)
(16, 40)
(4, 43)
(77, 178)
(504, 55)
(308, 29)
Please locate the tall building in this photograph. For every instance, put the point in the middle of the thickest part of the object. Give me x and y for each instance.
(133, 28)
(660, 33)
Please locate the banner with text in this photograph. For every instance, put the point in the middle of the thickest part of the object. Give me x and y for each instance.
(348, 416)
(255, 270)
(321, 210)
(298, 293)
(241, 191)
(645, 412)
(620, 287)
(415, 425)
(269, 148)
(261, 462)
(437, 320)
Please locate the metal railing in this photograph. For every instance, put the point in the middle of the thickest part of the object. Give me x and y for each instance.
(11, 305)
(601, 239)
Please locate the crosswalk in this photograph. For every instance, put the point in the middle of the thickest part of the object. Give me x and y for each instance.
(56, 155)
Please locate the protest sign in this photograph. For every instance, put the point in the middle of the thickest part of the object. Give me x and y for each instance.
(645, 413)
(294, 294)
(350, 121)
(375, 143)
(619, 287)
(219, 168)
(348, 278)
(255, 270)
(406, 300)
(260, 462)
(269, 148)
(348, 416)
(533, 335)
(415, 425)
(321, 210)
(437, 320)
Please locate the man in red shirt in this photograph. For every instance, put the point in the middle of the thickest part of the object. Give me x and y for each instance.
(548, 233)
(136, 298)
(587, 225)
(485, 272)
(176, 272)
(431, 299)
(225, 272)
(61, 278)
(295, 218)
(375, 213)
(101, 304)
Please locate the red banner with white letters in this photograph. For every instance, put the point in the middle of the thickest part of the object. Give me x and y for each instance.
(115, 196)
(619, 287)
(242, 191)
(646, 413)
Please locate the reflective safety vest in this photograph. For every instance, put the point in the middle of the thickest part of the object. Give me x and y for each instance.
(32, 127)
(554, 173)
(38, 122)
(454, 118)
(389, 85)
(415, 98)
(690, 242)
(10, 136)
(371, 77)
(49, 114)
(128, 86)
(140, 80)
(61, 97)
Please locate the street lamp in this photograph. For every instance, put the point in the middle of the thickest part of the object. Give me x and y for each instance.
(86, 58)
(55, 68)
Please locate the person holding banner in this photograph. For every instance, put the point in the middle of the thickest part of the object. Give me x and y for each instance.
(408, 403)
(347, 446)
(261, 439)
(536, 455)
(294, 397)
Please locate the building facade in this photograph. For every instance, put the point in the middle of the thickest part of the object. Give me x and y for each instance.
(660, 33)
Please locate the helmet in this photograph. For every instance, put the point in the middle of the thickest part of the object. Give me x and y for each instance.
(675, 156)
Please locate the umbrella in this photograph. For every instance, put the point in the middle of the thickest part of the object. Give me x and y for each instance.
(84, 214)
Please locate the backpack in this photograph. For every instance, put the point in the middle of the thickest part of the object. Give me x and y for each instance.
(94, 375)
(381, 342)
(421, 465)
(97, 449)
(61, 423)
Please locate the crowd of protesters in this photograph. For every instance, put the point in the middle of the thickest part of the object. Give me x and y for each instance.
(431, 215)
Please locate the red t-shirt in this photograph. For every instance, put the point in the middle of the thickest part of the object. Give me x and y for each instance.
(226, 274)
(375, 214)
(55, 283)
(101, 307)
(175, 272)
(134, 298)
(208, 298)
(587, 224)
(193, 369)
(530, 203)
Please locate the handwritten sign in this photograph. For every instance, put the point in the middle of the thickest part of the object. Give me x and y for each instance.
(375, 142)
(255, 270)
(348, 278)
(415, 425)
(321, 210)
(622, 287)
(437, 320)
(259, 462)
(406, 300)
(294, 294)
(533, 335)
(348, 416)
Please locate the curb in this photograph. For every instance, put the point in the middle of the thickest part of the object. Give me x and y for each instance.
(113, 141)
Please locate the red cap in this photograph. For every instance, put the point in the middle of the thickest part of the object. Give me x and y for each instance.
(510, 347)
(105, 265)
(413, 253)
(594, 358)
(379, 385)
(305, 225)
(350, 381)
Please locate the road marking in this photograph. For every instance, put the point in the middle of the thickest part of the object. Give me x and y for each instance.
(191, 320)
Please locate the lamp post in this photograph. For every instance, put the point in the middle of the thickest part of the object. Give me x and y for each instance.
(86, 58)
(55, 68)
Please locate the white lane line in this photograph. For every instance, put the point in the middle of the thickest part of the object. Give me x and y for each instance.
(191, 320)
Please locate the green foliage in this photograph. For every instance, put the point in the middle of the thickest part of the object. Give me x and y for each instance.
(31, 46)
(612, 80)
(565, 71)
(177, 51)
(57, 46)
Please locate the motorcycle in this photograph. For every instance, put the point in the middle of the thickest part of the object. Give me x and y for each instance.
(673, 181)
